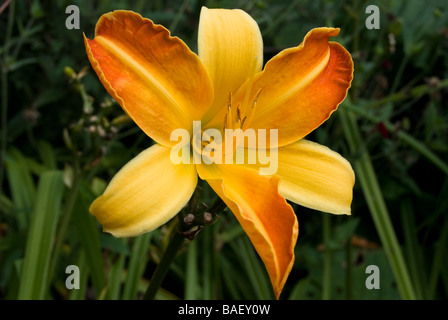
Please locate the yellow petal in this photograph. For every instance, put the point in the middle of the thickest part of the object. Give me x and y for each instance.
(156, 79)
(301, 86)
(145, 193)
(231, 48)
(314, 176)
(264, 214)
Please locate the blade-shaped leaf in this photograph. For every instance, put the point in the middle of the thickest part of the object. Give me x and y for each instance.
(34, 278)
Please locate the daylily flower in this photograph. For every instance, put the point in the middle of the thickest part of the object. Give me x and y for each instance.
(162, 85)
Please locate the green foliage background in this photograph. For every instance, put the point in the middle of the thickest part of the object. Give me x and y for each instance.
(63, 138)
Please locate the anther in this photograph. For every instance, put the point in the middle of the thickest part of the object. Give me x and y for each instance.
(229, 112)
(238, 114)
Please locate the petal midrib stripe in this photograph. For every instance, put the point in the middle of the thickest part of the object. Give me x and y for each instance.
(123, 56)
(256, 221)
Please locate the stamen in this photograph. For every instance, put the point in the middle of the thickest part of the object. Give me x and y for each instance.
(229, 112)
(243, 122)
(224, 126)
(244, 112)
(249, 85)
(256, 98)
(251, 112)
(238, 114)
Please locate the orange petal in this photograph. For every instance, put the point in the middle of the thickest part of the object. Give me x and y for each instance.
(156, 79)
(301, 86)
(264, 214)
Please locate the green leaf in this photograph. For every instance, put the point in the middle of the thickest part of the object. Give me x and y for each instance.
(209, 266)
(46, 153)
(192, 278)
(116, 278)
(137, 264)
(80, 294)
(35, 271)
(88, 235)
(300, 290)
(254, 268)
(21, 63)
(23, 190)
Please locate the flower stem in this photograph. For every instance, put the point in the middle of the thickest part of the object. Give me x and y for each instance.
(4, 92)
(405, 94)
(348, 271)
(164, 265)
(66, 218)
(328, 258)
(179, 234)
(179, 15)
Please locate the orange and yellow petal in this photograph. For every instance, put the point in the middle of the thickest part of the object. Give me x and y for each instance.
(264, 214)
(301, 86)
(146, 193)
(156, 78)
(231, 47)
(312, 175)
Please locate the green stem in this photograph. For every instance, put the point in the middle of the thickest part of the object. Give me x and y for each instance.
(217, 206)
(174, 246)
(328, 259)
(437, 264)
(164, 265)
(4, 132)
(280, 18)
(413, 254)
(405, 93)
(348, 271)
(424, 151)
(399, 74)
(4, 112)
(356, 41)
(208, 259)
(375, 201)
(192, 277)
(66, 217)
(179, 16)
